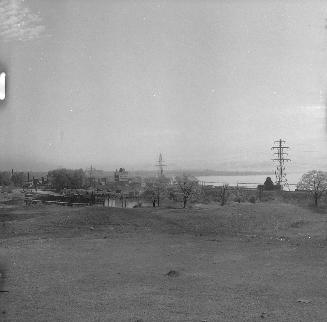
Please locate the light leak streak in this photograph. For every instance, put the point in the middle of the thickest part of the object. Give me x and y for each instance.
(2, 86)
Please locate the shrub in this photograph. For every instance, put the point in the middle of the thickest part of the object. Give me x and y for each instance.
(252, 199)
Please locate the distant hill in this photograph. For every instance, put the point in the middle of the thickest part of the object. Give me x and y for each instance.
(198, 173)
(169, 173)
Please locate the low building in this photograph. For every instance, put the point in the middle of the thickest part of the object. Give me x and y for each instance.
(121, 175)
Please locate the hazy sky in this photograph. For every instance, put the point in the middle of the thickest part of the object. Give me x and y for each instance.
(210, 84)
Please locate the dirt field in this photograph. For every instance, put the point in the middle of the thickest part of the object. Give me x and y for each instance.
(242, 262)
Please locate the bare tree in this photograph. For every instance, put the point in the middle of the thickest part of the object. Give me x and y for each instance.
(223, 194)
(188, 187)
(238, 194)
(156, 189)
(314, 182)
(18, 179)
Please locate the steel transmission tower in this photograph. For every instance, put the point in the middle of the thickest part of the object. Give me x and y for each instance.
(160, 164)
(280, 158)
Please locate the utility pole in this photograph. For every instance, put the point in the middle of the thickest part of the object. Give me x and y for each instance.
(91, 179)
(280, 158)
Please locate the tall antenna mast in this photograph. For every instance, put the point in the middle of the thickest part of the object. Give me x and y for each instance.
(280, 154)
(161, 165)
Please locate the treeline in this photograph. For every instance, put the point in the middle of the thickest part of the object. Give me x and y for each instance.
(58, 178)
(67, 178)
(17, 178)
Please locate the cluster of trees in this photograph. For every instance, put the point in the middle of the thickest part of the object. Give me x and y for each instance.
(67, 178)
(156, 189)
(187, 188)
(18, 178)
(7, 178)
(184, 189)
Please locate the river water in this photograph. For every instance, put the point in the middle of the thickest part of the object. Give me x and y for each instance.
(250, 181)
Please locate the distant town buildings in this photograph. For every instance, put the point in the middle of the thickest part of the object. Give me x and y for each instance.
(121, 175)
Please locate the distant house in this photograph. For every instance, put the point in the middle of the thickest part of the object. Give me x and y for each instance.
(121, 175)
(102, 181)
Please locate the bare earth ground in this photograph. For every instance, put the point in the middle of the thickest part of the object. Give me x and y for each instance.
(242, 262)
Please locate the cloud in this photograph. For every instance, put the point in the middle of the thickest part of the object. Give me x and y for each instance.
(18, 22)
(313, 107)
